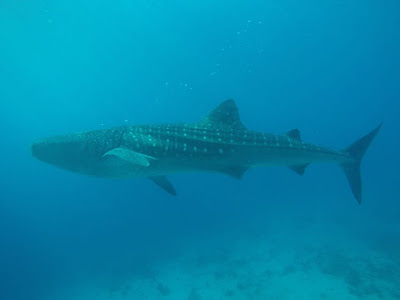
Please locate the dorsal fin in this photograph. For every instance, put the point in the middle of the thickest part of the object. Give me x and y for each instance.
(225, 115)
(294, 134)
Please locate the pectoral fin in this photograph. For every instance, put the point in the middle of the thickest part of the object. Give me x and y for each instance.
(163, 182)
(130, 156)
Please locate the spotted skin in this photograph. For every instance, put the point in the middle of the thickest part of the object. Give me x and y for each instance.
(184, 147)
(191, 140)
(218, 143)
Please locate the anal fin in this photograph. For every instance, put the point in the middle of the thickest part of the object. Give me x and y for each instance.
(299, 169)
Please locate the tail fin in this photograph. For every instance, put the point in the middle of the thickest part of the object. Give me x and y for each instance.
(352, 169)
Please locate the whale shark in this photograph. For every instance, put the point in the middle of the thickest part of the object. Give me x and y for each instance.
(219, 142)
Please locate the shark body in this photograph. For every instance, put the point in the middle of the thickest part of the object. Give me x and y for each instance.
(218, 143)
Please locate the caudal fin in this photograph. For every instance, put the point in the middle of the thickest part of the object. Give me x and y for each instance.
(352, 169)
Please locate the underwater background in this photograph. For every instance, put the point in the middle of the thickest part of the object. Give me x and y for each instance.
(329, 68)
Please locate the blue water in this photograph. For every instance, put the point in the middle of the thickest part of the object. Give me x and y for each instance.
(330, 68)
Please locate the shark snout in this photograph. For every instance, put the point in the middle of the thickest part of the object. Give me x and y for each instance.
(46, 150)
(59, 150)
(37, 149)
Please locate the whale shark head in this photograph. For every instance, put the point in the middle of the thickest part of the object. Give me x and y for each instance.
(65, 151)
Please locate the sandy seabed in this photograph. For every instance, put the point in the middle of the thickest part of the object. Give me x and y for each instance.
(309, 262)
